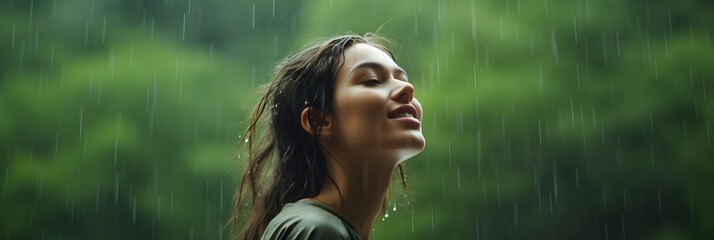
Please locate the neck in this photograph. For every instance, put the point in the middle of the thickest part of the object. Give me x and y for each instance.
(362, 189)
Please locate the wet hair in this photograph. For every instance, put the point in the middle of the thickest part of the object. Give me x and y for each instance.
(287, 164)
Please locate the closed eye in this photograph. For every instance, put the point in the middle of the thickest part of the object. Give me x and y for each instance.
(372, 82)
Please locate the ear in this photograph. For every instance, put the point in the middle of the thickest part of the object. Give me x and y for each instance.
(312, 115)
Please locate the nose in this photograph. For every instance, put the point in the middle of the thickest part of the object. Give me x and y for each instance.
(404, 93)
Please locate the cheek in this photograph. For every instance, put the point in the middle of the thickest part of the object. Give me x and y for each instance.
(360, 114)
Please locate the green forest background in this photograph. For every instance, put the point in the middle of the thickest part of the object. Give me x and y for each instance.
(544, 119)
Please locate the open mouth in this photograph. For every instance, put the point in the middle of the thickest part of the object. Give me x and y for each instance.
(404, 114)
(404, 111)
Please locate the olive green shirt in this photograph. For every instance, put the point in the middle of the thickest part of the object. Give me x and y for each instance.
(309, 219)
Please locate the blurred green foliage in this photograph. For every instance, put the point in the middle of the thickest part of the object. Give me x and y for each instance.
(544, 119)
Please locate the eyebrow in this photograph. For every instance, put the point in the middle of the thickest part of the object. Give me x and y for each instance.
(377, 66)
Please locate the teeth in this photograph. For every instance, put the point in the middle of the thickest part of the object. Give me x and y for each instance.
(405, 114)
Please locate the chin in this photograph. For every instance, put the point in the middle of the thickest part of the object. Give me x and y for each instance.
(411, 147)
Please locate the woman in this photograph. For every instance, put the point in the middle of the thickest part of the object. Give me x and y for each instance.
(339, 118)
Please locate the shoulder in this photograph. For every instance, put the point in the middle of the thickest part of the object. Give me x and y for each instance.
(306, 221)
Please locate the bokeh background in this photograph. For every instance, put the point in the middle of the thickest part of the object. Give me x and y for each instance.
(544, 119)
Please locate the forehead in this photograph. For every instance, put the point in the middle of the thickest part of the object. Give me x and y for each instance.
(361, 53)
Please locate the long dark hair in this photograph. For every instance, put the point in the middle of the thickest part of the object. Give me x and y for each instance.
(298, 171)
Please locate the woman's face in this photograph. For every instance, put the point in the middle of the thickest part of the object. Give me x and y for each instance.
(374, 106)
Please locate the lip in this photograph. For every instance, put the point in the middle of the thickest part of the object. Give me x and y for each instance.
(407, 108)
(413, 122)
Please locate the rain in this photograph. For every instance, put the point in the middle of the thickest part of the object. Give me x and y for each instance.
(545, 119)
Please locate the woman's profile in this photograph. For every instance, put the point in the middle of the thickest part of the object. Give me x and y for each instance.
(337, 121)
